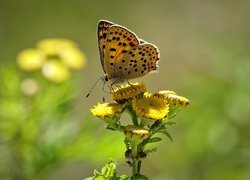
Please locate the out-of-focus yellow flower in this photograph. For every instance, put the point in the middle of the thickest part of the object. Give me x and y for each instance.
(107, 109)
(55, 57)
(128, 91)
(151, 107)
(73, 58)
(54, 46)
(55, 71)
(135, 134)
(31, 59)
(64, 50)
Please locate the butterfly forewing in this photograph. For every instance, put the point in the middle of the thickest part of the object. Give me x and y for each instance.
(102, 30)
(119, 41)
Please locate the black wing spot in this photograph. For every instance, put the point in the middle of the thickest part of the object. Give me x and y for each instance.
(124, 44)
(131, 44)
(114, 38)
(123, 61)
(120, 67)
(124, 51)
(104, 35)
(111, 56)
(112, 49)
(111, 64)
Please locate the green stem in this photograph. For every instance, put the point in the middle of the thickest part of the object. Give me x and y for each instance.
(133, 115)
(135, 161)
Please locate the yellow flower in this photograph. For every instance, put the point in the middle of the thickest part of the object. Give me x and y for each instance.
(64, 50)
(54, 56)
(172, 98)
(107, 110)
(55, 71)
(31, 59)
(175, 102)
(151, 107)
(128, 91)
(135, 134)
(53, 46)
(73, 58)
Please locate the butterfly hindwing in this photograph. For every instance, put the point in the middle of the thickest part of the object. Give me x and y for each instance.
(140, 60)
(102, 30)
(119, 41)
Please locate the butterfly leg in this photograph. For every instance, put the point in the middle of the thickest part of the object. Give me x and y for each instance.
(117, 86)
(130, 84)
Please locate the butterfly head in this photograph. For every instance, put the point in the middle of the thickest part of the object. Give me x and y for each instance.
(105, 79)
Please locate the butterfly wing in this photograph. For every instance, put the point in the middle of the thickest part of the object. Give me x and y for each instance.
(102, 30)
(119, 41)
(139, 61)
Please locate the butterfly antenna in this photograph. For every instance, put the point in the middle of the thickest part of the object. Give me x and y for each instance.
(93, 87)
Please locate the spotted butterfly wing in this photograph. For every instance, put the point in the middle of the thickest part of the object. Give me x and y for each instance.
(123, 55)
(102, 30)
(119, 42)
(140, 60)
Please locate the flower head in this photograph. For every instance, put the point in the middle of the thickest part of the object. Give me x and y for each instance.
(55, 71)
(128, 91)
(135, 133)
(109, 112)
(175, 102)
(54, 56)
(150, 107)
(31, 59)
(52, 46)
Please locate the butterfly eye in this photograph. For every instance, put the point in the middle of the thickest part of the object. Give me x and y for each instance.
(106, 78)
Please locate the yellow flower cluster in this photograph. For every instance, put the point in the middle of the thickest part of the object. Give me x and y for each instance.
(158, 106)
(55, 57)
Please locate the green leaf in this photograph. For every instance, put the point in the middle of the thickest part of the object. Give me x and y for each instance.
(154, 139)
(152, 150)
(109, 127)
(170, 123)
(165, 132)
(139, 177)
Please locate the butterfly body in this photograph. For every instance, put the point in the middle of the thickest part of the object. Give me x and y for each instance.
(123, 55)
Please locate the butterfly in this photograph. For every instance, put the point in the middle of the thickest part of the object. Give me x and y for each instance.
(123, 55)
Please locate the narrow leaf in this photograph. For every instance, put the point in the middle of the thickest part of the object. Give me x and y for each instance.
(165, 132)
(154, 139)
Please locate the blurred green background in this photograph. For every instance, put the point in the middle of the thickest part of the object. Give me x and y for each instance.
(205, 56)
